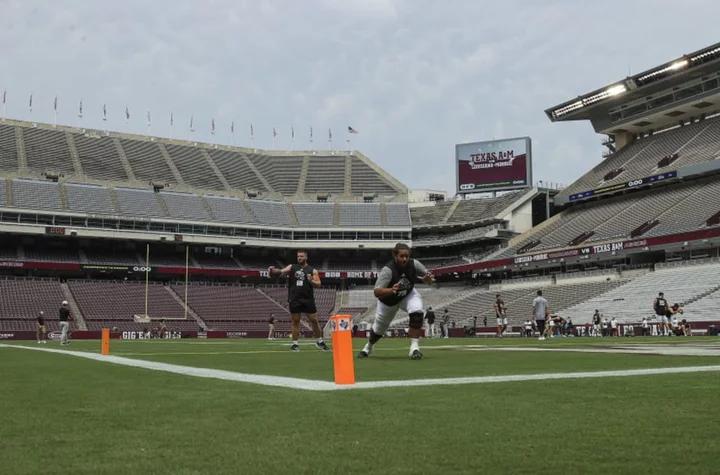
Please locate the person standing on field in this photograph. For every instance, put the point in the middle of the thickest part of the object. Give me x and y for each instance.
(64, 316)
(41, 328)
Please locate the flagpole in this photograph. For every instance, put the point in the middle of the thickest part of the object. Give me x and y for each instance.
(252, 136)
(80, 114)
(311, 138)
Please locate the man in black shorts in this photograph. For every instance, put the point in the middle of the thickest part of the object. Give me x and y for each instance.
(303, 279)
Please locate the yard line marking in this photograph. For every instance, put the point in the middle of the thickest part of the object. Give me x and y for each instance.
(314, 385)
(661, 350)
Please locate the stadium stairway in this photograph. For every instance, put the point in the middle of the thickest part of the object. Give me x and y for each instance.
(190, 311)
(20, 145)
(207, 207)
(291, 213)
(171, 164)
(75, 156)
(74, 309)
(126, 166)
(216, 170)
(303, 175)
(114, 200)
(450, 212)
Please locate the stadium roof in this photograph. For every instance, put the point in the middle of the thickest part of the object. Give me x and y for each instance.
(697, 73)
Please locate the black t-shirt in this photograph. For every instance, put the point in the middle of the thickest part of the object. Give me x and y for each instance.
(299, 286)
(500, 307)
(661, 306)
(596, 319)
(64, 314)
(41, 320)
(272, 320)
(430, 316)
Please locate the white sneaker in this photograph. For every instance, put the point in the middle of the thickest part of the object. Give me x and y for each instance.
(541, 338)
(44, 342)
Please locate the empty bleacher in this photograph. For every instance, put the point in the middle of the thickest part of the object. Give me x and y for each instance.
(482, 209)
(193, 167)
(695, 143)
(147, 161)
(273, 213)
(314, 214)
(360, 214)
(24, 299)
(397, 214)
(228, 209)
(634, 299)
(367, 180)
(326, 175)
(430, 215)
(106, 304)
(99, 157)
(8, 148)
(184, 206)
(235, 169)
(36, 194)
(47, 150)
(84, 198)
(138, 202)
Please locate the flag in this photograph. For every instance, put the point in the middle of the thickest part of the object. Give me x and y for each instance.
(55, 104)
(212, 131)
(351, 130)
(274, 133)
(80, 109)
(232, 127)
(104, 112)
(148, 118)
(127, 114)
(252, 132)
(311, 134)
(31, 102)
(4, 96)
(329, 135)
(171, 119)
(292, 132)
(191, 124)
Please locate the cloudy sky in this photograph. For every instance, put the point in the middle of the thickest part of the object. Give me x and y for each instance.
(414, 77)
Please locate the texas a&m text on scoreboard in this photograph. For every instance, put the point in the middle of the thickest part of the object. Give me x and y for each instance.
(494, 165)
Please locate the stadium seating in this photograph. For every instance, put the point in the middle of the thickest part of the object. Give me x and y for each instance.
(147, 161)
(633, 300)
(272, 213)
(678, 208)
(24, 299)
(360, 214)
(229, 210)
(8, 148)
(695, 143)
(108, 304)
(89, 199)
(47, 150)
(431, 215)
(326, 175)
(236, 170)
(366, 180)
(482, 209)
(99, 157)
(193, 167)
(185, 206)
(138, 202)
(314, 214)
(397, 214)
(36, 194)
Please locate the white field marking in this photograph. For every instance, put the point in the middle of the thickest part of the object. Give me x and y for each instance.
(674, 350)
(314, 385)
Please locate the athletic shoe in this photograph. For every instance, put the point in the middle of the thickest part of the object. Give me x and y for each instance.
(363, 354)
(416, 355)
(295, 347)
(321, 346)
(541, 338)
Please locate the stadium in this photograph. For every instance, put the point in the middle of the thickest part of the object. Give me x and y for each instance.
(134, 231)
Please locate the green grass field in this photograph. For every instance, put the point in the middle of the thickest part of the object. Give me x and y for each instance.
(67, 415)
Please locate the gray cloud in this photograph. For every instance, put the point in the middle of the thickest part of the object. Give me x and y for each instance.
(414, 77)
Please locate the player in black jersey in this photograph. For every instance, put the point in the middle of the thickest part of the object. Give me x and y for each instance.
(303, 279)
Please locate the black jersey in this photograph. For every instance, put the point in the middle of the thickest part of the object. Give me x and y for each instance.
(299, 285)
(405, 277)
(500, 308)
(661, 306)
(41, 320)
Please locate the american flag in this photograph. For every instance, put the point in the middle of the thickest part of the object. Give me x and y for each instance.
(351, 130)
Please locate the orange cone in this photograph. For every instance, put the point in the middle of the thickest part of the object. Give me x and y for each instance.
(343, 362)
(105, 341)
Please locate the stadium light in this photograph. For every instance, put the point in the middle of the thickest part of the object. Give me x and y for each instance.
(700, 56)
(615, 90)
(568, 108)
(673, 67)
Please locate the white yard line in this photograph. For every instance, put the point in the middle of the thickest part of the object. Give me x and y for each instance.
(313, 385)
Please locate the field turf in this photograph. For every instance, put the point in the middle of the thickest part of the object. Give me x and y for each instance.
(66, 415)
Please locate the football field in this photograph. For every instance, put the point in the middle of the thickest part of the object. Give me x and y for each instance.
(470, 406)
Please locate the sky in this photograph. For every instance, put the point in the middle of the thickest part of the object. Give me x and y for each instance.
(413, 77)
